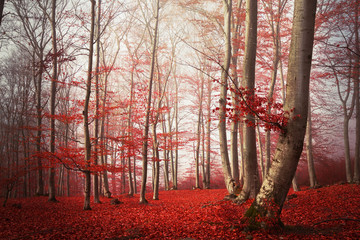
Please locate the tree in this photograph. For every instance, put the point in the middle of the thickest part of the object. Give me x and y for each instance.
(148, 106)
(269, 201)
(356, 178)
(236, 29)
(2, 3)
(33, 37)
(97, 104)
(87, 172)
(309, 150)
(251, 177)
(53, 99)
(229, 181)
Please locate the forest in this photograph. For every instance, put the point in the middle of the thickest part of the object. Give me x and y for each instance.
(179, 119)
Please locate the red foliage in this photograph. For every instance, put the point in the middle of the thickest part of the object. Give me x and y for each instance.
(331, 212)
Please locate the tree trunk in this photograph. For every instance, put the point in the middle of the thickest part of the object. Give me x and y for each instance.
(103, 144)
(105, 178)
(309, 152)
(52, 189)
(129, 123)
(356, 178)
(97, 104)
(176, 159)
(262, 168)
(198, 136)
(347, 148)
(2, 3)
(147, 116)
(87, 173)
(40, 182)
(276, 60)
(167, 151)
(229, 181)
(156, 160)
(208, 134)
(269, 202)
(234, 155)
(251, 176)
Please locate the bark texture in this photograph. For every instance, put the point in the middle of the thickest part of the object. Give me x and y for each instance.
(269, 202)
(147, 117)
(249, 157)
(87, 173)
(229, 181)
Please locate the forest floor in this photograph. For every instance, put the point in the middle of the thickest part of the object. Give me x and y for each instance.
(326, 213)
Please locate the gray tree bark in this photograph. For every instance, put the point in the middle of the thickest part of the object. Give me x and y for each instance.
(249, 157)
(356, 178)
(147, 116)
(97, 103)
(87, 172)
(229, 181)
(309, 152)
(269, 202)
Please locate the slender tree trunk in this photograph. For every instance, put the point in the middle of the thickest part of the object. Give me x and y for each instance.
(176, 160)
(103, 158)
(229, 181)
(97, 104)
(208, 134)
(269, 202)
(347, 149)
(2, 3)
(251, 176)
(87, 173)
(156, 178)
(260, 147)
(203, 153)
(167, 150)
(241, 143)
(309, 152)
(40, 182)
(276, 60)
(147, 116)
(234, 155)
(129, 123)
(356, 178)
(198, 142)
(52, 189)
(68, 183)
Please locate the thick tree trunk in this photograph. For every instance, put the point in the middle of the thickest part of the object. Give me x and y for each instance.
(229, 181)
(87, 190)
(269, 202)
(105, 178)
(249, 157)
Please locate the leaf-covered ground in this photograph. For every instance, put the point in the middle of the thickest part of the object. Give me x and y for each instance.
(327, 213)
